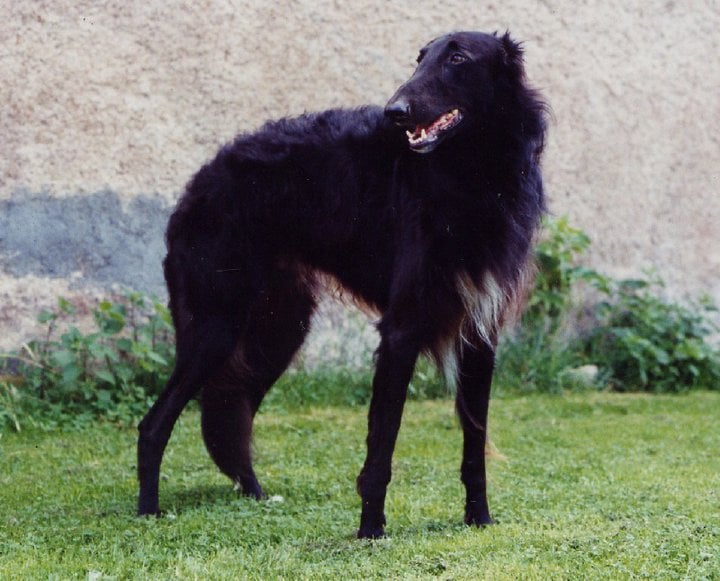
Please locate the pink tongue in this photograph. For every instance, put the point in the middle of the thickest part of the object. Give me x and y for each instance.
(441, 123)
(419, 129)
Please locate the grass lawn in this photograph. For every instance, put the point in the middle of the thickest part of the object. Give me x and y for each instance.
(594, 486)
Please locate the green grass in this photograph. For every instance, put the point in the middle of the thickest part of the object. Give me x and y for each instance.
(603, 486)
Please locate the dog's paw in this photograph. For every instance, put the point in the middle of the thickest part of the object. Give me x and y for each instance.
(250, 488)
(480, 521)
(371, 532)
(148, 507)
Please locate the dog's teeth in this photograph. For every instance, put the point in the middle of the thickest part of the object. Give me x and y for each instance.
(423, 133)
(409, 134)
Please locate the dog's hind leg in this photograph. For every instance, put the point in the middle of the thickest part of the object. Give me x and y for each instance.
(203, 346)
(472, 402)
(276, 329)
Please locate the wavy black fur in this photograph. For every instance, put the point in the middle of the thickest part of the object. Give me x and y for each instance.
(434, 233)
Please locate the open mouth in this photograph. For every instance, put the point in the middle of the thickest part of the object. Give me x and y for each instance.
(425, 138)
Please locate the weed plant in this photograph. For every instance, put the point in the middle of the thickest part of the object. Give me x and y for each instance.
(538, 354)
(112, 372)
(632, 339)
(646, 343)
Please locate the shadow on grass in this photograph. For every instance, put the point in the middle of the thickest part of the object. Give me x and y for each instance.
(175, 501)
(434, 527)
(180, 500)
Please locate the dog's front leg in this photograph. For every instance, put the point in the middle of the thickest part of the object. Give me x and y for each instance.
(396, 358)
(472, 401)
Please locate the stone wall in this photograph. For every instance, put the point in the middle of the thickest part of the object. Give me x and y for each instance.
(109, 107)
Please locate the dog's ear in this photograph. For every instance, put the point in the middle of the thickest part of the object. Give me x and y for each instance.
(512, 52)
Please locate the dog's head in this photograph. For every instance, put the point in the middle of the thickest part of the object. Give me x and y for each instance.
(453, 86)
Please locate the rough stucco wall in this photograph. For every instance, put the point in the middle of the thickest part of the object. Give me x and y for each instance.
(131, 97)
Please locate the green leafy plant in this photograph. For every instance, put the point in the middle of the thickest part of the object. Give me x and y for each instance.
(540, 352)
(557, 256)
(635, 339)
(645, 342)
(111, 372)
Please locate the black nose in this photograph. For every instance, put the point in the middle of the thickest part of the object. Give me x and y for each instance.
(398, 110)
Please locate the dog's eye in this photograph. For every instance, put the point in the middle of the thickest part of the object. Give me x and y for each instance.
(457, 58)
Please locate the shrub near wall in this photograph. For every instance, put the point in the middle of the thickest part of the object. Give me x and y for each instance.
(647, 343)
(542, 352)
(631, 339)
(73, 377)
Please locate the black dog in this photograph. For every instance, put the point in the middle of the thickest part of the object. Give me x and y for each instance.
(425, 212)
